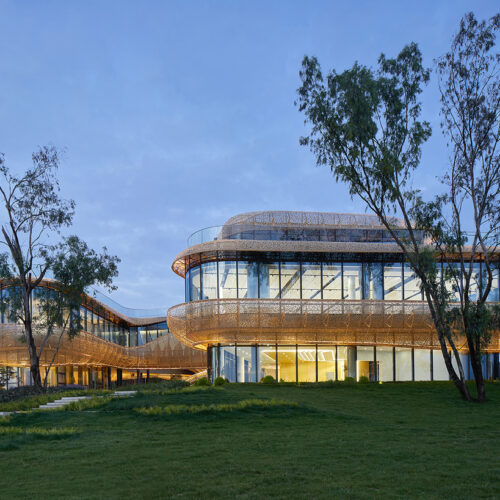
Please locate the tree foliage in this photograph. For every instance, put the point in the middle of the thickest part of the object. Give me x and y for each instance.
(35, 215)
(6, 374)
(366, 127)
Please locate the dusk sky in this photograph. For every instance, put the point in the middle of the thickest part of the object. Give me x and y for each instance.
(177, 115)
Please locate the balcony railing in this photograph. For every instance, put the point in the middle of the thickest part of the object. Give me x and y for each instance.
(203, 235)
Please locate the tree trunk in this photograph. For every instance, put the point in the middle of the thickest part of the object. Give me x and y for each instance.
(34, 362)
(28, 332)
(477, 369)
(458, 381)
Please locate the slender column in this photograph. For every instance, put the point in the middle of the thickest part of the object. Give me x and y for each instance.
(394, 364)
(412, 364)
(255, 363)
(276, 356)
(209, 363)
(218, 360)
(432, 363)
(316, 363)
(236, 362)
(356, 360)
(337, 363)
(296, 364)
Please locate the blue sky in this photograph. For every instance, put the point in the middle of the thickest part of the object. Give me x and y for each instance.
(177, 115)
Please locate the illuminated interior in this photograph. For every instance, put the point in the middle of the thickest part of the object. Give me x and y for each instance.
(306, 297)
(299, 296)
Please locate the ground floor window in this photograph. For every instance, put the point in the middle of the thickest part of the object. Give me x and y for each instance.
(320, 363)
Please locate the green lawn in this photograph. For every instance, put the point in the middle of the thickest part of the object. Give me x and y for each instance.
(406, 440)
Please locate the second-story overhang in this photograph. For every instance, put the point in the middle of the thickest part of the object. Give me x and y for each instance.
(85, 349)
(203, 323)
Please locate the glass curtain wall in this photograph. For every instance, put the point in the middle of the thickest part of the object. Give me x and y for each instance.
(493, 296)
(246, 362)
(475, 281)
(266, 359)
(94, 322)
(195, 284)
(403, 364)
(411, 284)
(366, 365)
(209, 280)
(269, 280)
(452, 279)
(290, 280)
(352, 281)
(227, 362)
(327, 365)
(311, 363)
(311, 280)
(228, 288)
(316, 280)
(385, 362)
(422, 364)
(287, 363)
(248, 280)
(332, 281)
(306, 363)
(373, 281)
(393, 281)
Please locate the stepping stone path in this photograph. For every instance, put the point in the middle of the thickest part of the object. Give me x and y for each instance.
(58, 403)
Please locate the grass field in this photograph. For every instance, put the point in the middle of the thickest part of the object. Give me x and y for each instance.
(406, 440)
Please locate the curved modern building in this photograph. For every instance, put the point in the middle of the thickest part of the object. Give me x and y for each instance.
(309, 297)
(300, 296)
(116, 344)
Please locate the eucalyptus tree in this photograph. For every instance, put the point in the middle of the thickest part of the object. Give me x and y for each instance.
(366, 127)
(35, 214)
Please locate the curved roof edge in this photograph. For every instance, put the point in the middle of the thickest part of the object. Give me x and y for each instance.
(314, 219)
(99, 302)
(178, 266)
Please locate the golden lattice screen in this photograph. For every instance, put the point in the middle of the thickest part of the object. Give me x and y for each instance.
(294, 321)
(86, 349)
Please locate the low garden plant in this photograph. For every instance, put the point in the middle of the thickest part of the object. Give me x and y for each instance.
(202, 381)
(219, 381)
(268, 379)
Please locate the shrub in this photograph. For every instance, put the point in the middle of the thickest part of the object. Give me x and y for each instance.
(268, 379)
(202, 381)
(349, 380)
(219, 408)
(175, 383)
(219, 381)
(363, 380)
